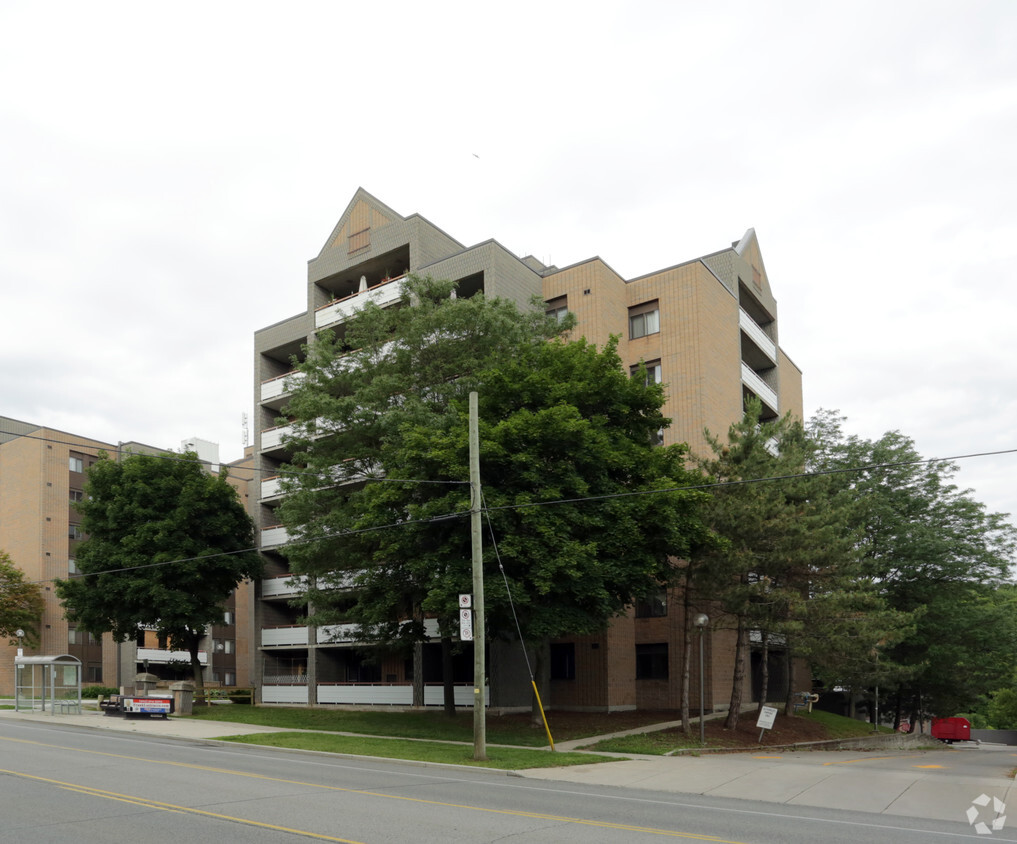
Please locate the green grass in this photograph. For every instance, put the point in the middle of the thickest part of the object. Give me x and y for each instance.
(420, 725)
(507, 758)
(840, 727)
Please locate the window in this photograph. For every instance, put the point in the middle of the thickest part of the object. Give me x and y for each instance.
(75, 532)
(227, 646)
(654, 374)
(76, 464)
(94, 673)
(563, 661)
(651, 661)
(558, 308)
(652, 606)
(227, 618)
(72, 565)
(76, 495)
(644, 319)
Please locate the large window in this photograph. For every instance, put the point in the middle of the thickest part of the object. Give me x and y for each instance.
(651, 661)
(563, 661)
(654, 375)
(644, 319)
(76, 464)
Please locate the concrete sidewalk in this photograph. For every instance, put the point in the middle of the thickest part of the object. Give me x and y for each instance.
(937, 784)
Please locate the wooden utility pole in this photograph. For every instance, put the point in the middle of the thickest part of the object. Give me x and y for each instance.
(479, 668)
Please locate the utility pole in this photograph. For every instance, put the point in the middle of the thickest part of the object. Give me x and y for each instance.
(479, 668)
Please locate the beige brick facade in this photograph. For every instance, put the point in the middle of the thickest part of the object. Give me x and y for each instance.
(709, 323)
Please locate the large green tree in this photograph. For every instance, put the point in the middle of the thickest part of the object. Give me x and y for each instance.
(561, 423)
(935, 553)
(166, 544)
(789, 568)
(21, 603)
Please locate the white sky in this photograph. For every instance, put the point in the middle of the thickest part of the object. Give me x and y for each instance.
(167, 171)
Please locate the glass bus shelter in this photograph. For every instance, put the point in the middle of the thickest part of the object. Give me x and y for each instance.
(47, 683)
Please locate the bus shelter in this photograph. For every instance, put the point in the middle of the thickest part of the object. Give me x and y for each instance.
(47, 683)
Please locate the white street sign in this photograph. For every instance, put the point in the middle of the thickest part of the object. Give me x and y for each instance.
(465, 601)
(766, 717)
(466, 625)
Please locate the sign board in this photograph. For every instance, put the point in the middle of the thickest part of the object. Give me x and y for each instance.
(766, 717)
(147, 705)
(466, 625)
(465, 601)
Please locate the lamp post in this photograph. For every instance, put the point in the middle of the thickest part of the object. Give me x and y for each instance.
(701, 621)
(21, 635)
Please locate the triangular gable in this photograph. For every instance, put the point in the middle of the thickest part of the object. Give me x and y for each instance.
(363, 215)
(748, 249)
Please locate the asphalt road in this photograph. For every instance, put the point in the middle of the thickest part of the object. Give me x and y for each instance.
(62, 784)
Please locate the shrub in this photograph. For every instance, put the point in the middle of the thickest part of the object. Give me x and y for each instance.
(96, 691)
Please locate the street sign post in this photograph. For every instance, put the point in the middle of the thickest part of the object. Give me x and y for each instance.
(767, 715)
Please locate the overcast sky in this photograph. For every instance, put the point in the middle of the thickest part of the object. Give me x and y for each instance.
(167, 171)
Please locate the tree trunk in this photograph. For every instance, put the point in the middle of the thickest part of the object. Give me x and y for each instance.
(418, 664)
(738, 680)
(789, 701)
(764, 673)
(687, 661)
(448, 688)
(193, 640)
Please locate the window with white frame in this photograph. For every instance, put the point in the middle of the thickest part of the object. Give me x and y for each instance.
(558, 308)
(76, 464)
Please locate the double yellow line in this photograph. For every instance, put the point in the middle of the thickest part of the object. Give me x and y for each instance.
(171, 807)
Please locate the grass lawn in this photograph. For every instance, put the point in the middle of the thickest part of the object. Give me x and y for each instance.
(501, 729)
(506, 758)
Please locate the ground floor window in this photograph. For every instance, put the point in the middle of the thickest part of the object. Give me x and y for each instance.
(651, 661)
(563, 661)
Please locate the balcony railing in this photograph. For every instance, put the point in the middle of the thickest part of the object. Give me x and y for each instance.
(273, 388)
(758, 336)
(285, 693)
(290, 634)
(274, 537)
(383, 295)
(337, 634)
(283, 586)
(395, 694)
(765, 392)
(163, 656)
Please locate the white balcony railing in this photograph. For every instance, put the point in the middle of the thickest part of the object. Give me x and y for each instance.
(162, 656)
(394, 694)
(282, 693)
(288, 635)
(273, 388)
(271, 487)
(336, 634)
(284, 586)
(273, 537)
(747, 324)
(382, 295)
(765, 392)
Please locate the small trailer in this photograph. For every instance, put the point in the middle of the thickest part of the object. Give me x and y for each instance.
(951, 729)
(147, 705)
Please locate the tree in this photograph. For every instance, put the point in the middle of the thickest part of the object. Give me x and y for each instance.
(21, 603)
(166, 544)
(788, 567)
(560, 422)
(936, 554)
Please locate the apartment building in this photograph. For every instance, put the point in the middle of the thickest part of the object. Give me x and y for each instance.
(42, 476)
(706, 328)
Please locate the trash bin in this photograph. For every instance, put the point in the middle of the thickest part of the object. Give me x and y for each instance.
(183, 697)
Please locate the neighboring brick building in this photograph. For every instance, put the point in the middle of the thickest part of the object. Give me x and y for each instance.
(42, 475)
(707, 328)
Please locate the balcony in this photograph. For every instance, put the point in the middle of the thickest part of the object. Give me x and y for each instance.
(274, 537)
(163, 656)
(284, 693)
(283, 586)
(289, 634)
(274, 390)
(395, 694)
(757, 335)
(383, 295)
(339, 634)
(758, 386)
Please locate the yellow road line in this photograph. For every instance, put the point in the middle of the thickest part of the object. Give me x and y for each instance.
(155, 804)
(870, 759)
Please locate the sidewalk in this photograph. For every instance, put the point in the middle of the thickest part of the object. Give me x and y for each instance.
(936, 785)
